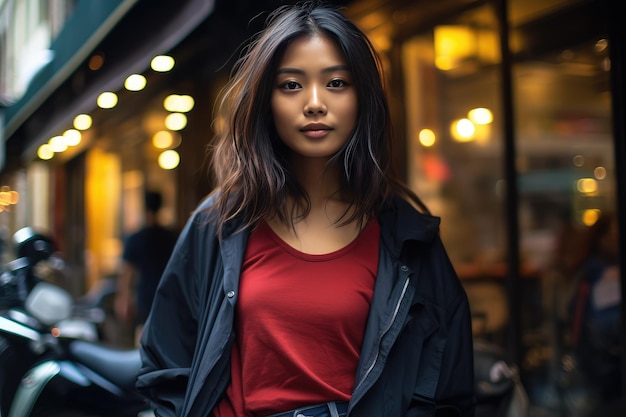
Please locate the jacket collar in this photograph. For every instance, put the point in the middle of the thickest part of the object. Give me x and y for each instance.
(401, 222)
(231, 227)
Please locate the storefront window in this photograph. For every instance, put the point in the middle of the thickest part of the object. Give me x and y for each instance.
(565, 169)
(454, 150)
(566, 180)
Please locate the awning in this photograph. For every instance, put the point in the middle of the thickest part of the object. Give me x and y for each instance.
(130, 32)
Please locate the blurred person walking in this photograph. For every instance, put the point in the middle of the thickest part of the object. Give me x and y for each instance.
(145, 255)
(596, 319)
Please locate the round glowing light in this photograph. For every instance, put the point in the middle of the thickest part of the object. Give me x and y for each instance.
(107, 100)
(601, 45)
(590, 217)
(176, 121)
(587, 186)
(578, 160)
(427, 137)
(57, 144)
(178, 103)
(480, 116)
(162, 139)
(72, 137)
(96, 61)
(599, 173)
(135, 82)
(169, 159)
(453, 44)
(45, 152)
(162, 63)
(82, 122)
(463, 130)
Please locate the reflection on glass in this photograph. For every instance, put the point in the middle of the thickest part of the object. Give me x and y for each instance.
(452, 93)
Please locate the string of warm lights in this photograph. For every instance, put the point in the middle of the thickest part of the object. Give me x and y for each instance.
(167, 139)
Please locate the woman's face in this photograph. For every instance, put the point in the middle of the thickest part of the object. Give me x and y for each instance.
(314, 102)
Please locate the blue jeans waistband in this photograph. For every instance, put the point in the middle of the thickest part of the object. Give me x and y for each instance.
(329, 409)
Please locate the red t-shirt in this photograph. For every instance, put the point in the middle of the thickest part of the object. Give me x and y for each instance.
(300, 322)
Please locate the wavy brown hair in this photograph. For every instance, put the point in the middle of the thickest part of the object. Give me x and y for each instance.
(249, 161)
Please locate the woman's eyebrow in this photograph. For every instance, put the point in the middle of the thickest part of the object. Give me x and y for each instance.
(288, 70)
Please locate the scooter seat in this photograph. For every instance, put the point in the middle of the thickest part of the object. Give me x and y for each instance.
(119, 366)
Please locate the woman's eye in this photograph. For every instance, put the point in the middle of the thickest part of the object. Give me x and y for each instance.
(290, 85)
(337, 83)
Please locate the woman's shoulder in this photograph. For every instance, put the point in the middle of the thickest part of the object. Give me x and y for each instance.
(401, 222)
(206, 210)
(207, 203)
(208, 214)
(200, 222)
(407, 214)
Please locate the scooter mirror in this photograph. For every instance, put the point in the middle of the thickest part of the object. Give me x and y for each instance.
(48, 303)
(32, 245)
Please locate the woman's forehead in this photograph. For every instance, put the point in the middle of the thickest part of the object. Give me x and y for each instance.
(314, 49)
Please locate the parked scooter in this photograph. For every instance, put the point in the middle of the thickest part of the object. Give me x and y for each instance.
(44, 370)
(497, 384)
(499, 391)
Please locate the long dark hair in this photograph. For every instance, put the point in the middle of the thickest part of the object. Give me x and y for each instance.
(249, 161)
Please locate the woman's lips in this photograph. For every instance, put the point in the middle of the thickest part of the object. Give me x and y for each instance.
(316, 133)
(315, 130)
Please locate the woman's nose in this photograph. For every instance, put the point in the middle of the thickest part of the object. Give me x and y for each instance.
(314, 104)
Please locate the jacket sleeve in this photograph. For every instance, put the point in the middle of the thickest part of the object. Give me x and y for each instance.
(455, 389)
(169, 336)
(454, 394)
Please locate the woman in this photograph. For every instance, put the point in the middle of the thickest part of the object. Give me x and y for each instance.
(311, 282)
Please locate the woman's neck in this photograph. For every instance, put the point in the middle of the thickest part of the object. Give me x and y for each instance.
(320, 181)
(322, 229)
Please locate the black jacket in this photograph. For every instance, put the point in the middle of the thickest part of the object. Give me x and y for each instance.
(417, 355)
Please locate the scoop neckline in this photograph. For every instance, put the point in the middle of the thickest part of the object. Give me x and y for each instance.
(312, 256)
